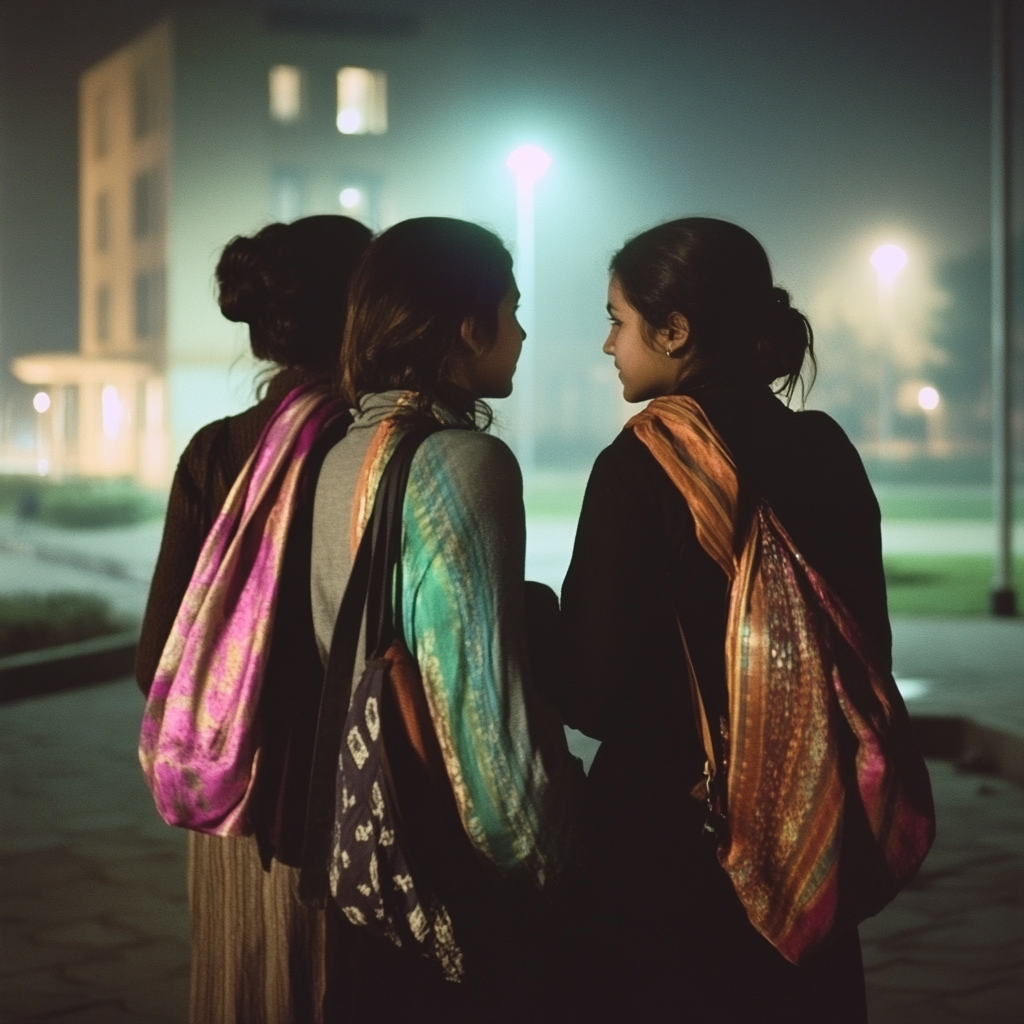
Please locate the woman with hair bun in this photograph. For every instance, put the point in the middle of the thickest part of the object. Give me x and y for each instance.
(699, 329)
(240, 514)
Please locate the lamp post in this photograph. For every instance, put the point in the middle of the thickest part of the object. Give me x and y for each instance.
(888, 260)
(41, 404)
(528, 163)
(1003, 597)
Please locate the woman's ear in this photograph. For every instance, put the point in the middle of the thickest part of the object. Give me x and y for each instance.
(672, 339)
(473, 337)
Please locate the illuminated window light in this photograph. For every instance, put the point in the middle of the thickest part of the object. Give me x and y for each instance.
(362, 102)
(41, 401)
(285, 82)
(111, 411)
(928, 398)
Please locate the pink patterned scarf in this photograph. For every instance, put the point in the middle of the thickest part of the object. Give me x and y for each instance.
(199, 745)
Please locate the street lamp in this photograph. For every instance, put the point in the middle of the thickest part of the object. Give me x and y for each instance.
(888, 260)
(41, 404)
(528, 163)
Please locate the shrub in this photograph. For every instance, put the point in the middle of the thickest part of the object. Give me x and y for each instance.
(30, 622)
(82, 504)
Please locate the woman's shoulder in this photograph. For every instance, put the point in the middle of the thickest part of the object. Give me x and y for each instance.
(822, 437)
(472, 450)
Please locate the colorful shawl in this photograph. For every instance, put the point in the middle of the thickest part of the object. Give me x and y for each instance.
(199, 745)
(799, 851)
(516, 785)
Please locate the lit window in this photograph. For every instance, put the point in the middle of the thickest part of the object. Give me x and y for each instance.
(103, 312)
(358, 196)
(285, 92)
(362, 102)
(111, 411)
(102, 222)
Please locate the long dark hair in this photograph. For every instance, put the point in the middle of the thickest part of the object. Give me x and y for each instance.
(414, 288)
(717, 275)
(289, 283)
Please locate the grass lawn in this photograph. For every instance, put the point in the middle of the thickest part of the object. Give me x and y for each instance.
(943, 584)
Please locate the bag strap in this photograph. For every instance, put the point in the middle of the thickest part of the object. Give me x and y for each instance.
(710, 788)
(368, 582)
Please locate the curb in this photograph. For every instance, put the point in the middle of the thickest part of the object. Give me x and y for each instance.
(67, 667)
(975, 747)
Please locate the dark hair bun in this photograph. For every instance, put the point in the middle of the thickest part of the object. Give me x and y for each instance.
(289, 283)
(242, 274)
(786, 339)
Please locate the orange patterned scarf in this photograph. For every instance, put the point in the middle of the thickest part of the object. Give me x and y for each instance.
(828, 801)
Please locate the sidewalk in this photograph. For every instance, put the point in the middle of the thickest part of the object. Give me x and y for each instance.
(93, 914)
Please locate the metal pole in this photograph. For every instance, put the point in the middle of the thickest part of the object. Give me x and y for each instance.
(526, 440)
(1004, 600)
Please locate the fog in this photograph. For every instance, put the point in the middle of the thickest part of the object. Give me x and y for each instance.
(826, 129)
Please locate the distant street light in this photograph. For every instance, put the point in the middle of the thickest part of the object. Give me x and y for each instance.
(528, 163)
(888, 260)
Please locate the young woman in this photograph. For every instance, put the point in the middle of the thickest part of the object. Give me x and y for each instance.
(257, 953)
(694, 312)
(432, 331)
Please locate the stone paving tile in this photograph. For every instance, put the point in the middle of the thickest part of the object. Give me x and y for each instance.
(950, 948)
(93, 916)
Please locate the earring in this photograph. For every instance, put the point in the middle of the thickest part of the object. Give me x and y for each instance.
(668, 352)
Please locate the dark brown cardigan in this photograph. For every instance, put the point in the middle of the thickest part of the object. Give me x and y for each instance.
(291, 690)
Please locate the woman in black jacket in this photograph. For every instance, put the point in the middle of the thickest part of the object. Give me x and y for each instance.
(257, 953)
(694, 312)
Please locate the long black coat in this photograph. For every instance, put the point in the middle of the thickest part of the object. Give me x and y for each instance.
(664, 935)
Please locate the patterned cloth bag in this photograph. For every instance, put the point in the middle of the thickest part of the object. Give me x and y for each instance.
(199, 745)
(827, 802)
(377, 765)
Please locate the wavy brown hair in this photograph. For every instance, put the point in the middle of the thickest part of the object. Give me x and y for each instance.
(417, 284)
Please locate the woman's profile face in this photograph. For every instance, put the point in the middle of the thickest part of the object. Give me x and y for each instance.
(646, 370)
(487, 367)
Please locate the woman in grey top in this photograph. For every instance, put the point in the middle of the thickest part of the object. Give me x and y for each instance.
(431, 332)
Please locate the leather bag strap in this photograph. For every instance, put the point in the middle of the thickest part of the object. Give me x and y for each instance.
(368, 590)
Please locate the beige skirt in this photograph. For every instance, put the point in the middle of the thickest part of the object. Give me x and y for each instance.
(258, 954)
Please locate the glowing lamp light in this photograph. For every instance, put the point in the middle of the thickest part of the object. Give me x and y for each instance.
(928, 398)
(350, 122)
(528, 163)
(41, 401)
(888, 261)
(350, 198)
(111, 411)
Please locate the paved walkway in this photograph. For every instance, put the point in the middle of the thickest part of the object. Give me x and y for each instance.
(93, 919)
